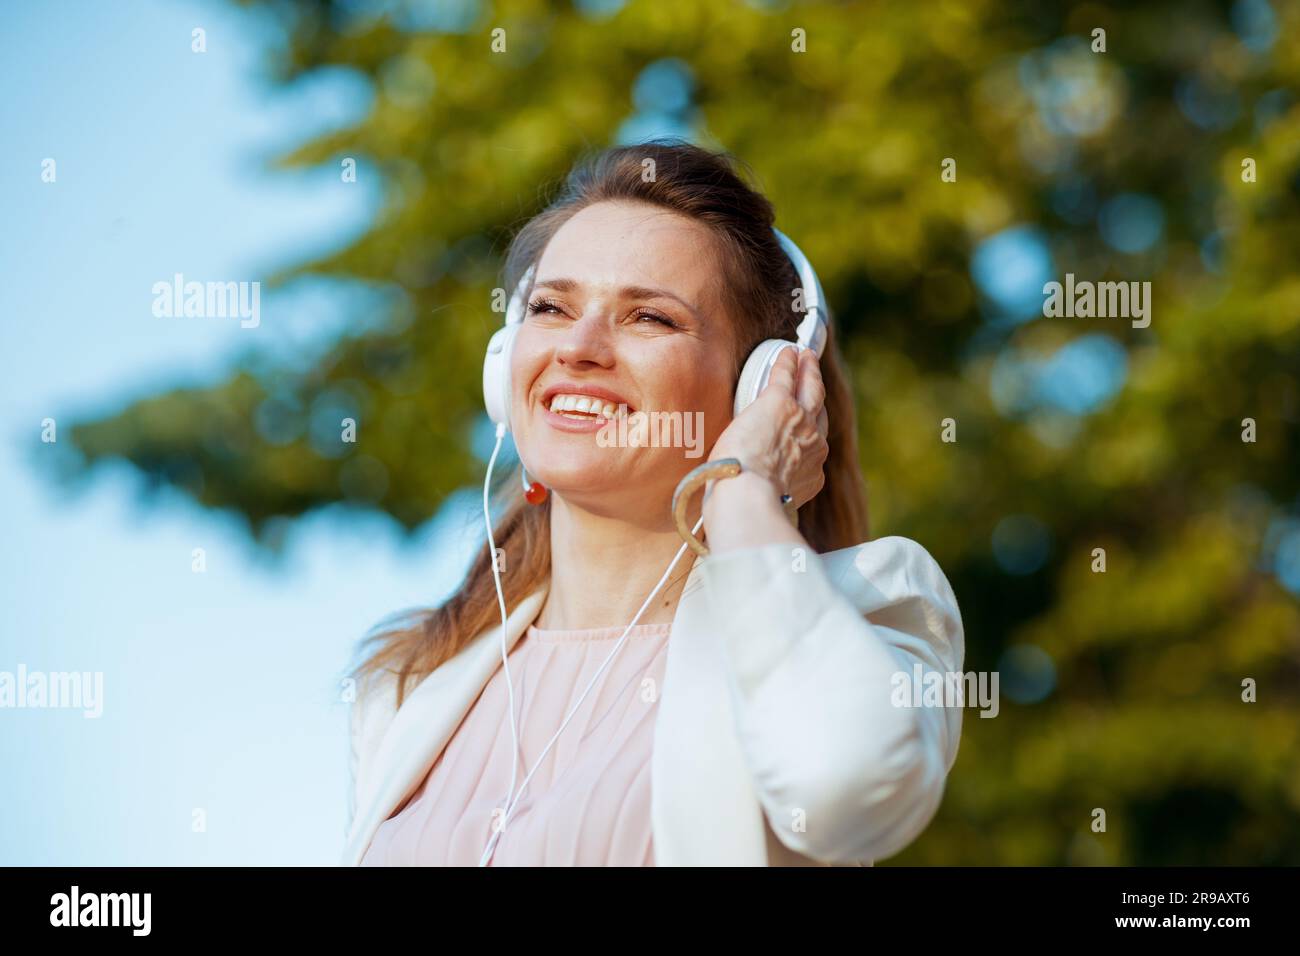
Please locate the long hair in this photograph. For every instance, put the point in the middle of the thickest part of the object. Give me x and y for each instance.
(759, 279)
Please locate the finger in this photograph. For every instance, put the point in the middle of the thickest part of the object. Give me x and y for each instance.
(782, 376)
(811, 393)
(823, 423)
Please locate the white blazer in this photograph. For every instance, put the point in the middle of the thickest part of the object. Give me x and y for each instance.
(779, 738)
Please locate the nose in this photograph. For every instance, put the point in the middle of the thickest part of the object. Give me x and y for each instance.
(587, 341)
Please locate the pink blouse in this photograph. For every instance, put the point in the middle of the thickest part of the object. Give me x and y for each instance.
(588, 804)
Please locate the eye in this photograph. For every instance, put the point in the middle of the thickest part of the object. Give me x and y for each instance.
(656, 317)
(542, 305)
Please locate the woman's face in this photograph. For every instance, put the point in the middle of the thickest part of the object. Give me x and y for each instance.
(624, 311)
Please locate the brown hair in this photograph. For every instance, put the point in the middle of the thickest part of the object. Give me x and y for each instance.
(759, 280)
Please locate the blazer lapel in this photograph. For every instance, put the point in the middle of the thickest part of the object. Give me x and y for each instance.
(704, 810)
(426, 720)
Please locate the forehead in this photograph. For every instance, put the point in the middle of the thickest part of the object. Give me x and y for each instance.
(619, 244)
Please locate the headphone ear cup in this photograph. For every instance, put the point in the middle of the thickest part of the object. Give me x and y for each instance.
(496, 374)
(757, 370)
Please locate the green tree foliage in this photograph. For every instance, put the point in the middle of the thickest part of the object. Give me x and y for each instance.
(1144, 716)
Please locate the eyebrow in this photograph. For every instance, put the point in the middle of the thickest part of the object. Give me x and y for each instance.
(628, 291)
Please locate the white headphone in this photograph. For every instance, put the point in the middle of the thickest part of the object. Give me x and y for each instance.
(812, 334)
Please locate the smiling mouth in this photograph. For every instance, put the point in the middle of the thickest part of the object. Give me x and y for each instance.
(584, 408)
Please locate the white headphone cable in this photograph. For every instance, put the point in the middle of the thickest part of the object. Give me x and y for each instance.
(501, 601)
(512, 798)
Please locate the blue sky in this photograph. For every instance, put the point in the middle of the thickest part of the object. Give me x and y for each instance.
(221, 689)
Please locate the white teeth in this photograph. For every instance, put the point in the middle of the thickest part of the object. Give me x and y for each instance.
(583, 406)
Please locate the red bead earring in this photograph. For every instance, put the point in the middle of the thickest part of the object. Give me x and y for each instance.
(534, 491)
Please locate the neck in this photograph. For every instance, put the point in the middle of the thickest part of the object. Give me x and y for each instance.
(604, 567)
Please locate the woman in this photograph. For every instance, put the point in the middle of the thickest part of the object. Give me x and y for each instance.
(750, 715)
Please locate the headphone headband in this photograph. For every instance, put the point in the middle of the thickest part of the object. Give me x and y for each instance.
(813, 329)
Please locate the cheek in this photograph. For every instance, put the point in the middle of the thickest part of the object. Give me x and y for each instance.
(693, 384)
(526, 362)
(704, 387)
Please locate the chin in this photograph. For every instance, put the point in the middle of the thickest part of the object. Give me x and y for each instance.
(580, 474)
